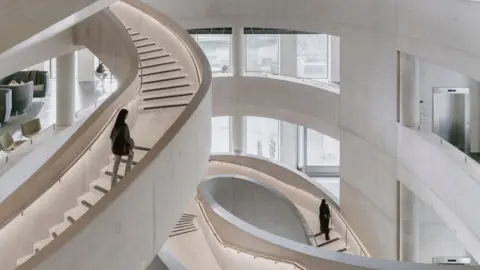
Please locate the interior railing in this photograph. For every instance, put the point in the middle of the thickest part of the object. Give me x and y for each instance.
(301, 182)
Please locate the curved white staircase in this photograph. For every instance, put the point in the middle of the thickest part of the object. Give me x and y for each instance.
(171, 105)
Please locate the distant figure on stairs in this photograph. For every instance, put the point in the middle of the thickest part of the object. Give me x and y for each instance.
(122, 144)
(324, 215)
(101, 72)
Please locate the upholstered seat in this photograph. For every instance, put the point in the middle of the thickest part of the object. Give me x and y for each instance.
(5, 105)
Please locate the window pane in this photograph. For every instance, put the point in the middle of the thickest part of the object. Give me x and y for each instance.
(220, 134)
(312, 56)
(262, 53)
(263, 137)
(322, 150)
(217, 50)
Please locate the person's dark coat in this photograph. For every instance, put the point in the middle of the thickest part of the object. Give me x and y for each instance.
(122, 143)
(324, 214)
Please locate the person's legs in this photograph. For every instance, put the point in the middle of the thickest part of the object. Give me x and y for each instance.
(327, 235)
(129, 162)
(116, 164)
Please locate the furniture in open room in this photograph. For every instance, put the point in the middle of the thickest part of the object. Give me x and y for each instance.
(5, 105)
(41, 81)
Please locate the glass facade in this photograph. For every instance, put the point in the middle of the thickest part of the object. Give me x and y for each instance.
(217, 49)
(220, 134)
(262, 52)
(316, 153)
(322, 150)
(312, 56)
(263, 137)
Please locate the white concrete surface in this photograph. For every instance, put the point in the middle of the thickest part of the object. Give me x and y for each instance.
(65, 90)
(259, 205)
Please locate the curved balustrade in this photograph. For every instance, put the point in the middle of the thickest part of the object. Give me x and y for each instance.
(169, 137)
(307, 194)
(324, 85)
(237, 234)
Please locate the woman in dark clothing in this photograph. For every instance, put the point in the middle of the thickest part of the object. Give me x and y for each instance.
(122, 144)
(324, 215)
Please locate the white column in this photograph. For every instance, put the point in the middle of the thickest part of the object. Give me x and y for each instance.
(288, 144)
(288, 55)
(238, 51)
(238, 134)
(85, 66)
(65, 89)
(410, 230)
(334, 59)
(409, 91)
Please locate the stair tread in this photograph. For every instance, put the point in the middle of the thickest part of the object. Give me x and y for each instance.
(23, 259)
(160, 62)
(148, 48)
(59, 228)
(167, 93)
(147, 72)
(76, 212)
(179, 74)
(167, 85)
(168, 102)
(42, 243)
(154, 53)
(102, 182)
(90, 197)
(143, 42)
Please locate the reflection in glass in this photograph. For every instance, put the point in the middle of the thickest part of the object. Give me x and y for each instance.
(220, 134)
(322, 150)
(217, 49)
(262, 53)
(263, 137)
(312, 56)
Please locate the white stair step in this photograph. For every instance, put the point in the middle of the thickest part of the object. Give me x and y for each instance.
(106, 171)
(89, 199)
(167, 85)
(148, 48)
(159, 61)
(24, 259)
(136, 157)
(75, 213)
(101, 185)
(59, 228)
(154, 53)
(167, 94)
(147, 72)
(170, 76)
(165, 104)
(143, 42)
(41, 244)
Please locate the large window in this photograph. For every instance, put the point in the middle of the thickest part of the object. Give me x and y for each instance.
(217, 49)
(220, 134)
(262, 53)
(322, 150)
(312, 56)
(263, 137)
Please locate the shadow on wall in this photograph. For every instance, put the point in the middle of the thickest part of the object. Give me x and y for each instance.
(258, 205)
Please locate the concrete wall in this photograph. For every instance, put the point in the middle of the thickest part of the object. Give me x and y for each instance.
(258, 205)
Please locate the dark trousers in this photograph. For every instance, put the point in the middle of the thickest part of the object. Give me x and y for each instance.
(324, 227)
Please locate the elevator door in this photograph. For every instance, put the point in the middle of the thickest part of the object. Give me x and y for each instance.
(451, 116)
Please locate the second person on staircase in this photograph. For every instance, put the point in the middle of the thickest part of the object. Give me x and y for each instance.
(122, 144)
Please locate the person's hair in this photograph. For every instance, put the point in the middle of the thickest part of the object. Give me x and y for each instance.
(122, 115)
(324, 201)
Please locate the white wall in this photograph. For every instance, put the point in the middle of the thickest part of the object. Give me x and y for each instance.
(288, 144)
(292, 102)
(258, 205)
(368, 138)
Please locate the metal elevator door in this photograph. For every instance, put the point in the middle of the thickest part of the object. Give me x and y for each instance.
(451, 116)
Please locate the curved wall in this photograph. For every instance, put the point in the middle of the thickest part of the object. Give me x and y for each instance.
(258, 205)
(292, 102)
(371, 32)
